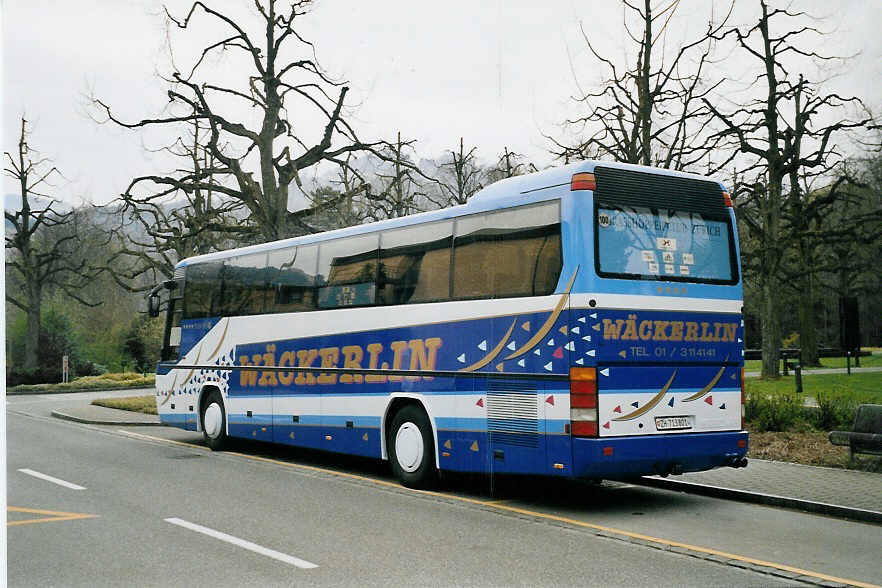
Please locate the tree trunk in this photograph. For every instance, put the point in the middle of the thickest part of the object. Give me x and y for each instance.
(808, 337)
(32, 337)
(771, 328)
(769, 267)
(645, 102)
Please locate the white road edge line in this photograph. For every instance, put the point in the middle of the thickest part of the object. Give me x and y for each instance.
(51, 479)
(289, 559)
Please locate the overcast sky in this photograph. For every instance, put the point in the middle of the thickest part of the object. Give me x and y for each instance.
(496, 72)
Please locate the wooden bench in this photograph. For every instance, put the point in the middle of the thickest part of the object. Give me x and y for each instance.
(866, 436)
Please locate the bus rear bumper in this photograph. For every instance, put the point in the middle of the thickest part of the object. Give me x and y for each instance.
(626, 457)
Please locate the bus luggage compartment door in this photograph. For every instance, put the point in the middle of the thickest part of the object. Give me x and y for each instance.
(515, 429)
(656, 400)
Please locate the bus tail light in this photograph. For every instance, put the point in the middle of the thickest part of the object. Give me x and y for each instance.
(583, 402)
(727, 199)
(583, 181)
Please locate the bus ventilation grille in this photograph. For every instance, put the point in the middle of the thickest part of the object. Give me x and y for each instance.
(512, 415)
(623, 187)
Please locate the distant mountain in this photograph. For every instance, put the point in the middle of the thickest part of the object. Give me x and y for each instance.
(13, 202)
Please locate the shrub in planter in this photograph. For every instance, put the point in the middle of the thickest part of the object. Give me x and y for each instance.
(834, 412)
(772, 413)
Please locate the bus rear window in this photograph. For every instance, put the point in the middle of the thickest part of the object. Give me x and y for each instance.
(662, 244)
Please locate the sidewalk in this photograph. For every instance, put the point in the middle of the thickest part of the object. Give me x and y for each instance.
(842, 493)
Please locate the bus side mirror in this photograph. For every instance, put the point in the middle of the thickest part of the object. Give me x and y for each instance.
(153, 304)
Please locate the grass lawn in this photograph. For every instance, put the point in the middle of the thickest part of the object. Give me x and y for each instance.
(862, 388)
(875, 360)
(145, 404)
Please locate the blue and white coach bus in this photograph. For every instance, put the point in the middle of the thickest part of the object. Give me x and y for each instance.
(583, 321)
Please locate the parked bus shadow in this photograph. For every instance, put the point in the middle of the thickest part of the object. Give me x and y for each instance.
(560, 494)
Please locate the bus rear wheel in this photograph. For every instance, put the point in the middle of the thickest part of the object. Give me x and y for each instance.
(214, 421)
(411, 448)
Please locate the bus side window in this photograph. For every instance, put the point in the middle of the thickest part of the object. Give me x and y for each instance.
(292, 278)
(513, 252)
(415, 264)
(203, 294)
(347, 271)
(244, 285)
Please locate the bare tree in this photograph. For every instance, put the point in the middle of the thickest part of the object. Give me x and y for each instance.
(43, 247)
(780, 133)
(508, 165)
(399, 191)
(256, 166)
(162, 222)
(458, 178)
(850, 259)
(650, 111)
(810, 230)
(343, 202)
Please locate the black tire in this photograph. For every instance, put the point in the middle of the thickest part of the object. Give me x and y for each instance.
(217, 439)
(411, 433)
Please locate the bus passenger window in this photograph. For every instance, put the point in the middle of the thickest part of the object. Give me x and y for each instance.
(245, 285)
(514, 252)
(202, 296)
(292, 278)
(415, 264)
(347, 271)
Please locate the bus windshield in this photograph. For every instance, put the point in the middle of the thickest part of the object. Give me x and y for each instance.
(653, 243)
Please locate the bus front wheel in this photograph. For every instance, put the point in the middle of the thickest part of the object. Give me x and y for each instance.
(411, 448)
(214, 421)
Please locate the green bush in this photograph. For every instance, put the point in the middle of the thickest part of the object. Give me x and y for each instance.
(834, 412)
(122, 377)
(127, 379)
(103, 382)
(773, 413)
(57, 338)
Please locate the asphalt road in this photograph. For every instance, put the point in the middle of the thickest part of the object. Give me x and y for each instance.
(156, 508)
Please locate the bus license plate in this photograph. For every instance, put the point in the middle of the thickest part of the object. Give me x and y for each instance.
(672, 423)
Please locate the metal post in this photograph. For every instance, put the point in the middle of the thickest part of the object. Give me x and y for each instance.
(797, 371)
(848, 362)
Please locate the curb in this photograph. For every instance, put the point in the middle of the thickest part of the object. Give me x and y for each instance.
(834, 510)
(76, 419)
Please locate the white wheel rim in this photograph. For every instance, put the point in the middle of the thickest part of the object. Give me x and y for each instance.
(213, 420)
(409, 447)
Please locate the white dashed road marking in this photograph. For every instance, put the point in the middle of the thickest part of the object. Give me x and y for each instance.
(51, 479)
(283, 557)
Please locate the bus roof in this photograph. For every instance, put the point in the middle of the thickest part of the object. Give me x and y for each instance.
(506, 193)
